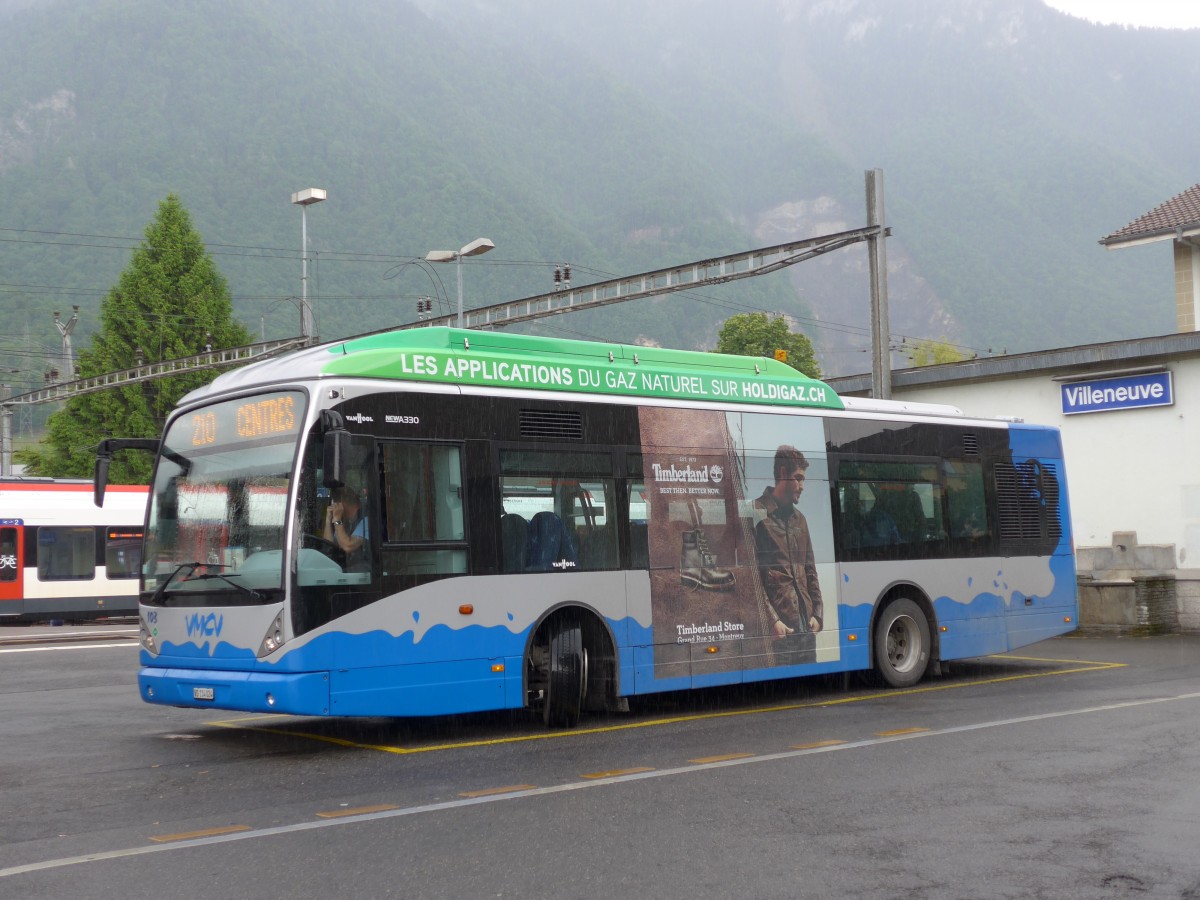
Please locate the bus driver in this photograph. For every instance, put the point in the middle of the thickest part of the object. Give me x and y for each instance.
(346, 526)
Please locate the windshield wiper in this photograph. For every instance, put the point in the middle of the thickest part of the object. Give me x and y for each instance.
(229, 581)
(160, 594)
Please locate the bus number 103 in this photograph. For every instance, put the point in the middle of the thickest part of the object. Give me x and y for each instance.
(204, 429)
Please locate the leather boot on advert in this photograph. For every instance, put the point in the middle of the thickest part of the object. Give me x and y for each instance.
(698, 567)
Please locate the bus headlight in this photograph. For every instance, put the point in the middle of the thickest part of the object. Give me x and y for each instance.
(273, 639)
(147, 638)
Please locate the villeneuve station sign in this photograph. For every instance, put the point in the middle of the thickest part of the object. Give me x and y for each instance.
(1118, 392)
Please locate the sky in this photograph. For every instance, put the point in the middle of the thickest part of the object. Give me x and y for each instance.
(1142, 13)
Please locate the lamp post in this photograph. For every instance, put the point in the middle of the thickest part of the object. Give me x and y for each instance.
(477, 247)
(305, 199)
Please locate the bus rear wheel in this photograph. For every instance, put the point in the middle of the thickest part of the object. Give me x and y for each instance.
(902, 644)
(567, 677)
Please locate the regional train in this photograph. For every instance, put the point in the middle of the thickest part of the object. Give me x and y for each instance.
(61, 557)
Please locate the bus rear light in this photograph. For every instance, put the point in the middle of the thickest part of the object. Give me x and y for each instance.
(466, 609)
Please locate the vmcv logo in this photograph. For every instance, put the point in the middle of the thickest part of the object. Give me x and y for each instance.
(207, 626)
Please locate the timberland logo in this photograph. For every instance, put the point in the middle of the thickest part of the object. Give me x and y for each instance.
(688, 474)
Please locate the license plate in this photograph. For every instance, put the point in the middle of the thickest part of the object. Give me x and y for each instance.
(202, 693)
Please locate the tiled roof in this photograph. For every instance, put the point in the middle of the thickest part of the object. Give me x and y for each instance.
(1181, 211)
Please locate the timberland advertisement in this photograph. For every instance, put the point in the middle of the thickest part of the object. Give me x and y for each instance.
(741, 541)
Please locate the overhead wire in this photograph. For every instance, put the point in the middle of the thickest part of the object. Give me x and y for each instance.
(217, 248)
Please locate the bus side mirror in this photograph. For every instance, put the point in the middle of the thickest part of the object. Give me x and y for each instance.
(100, 479)
(104, 452)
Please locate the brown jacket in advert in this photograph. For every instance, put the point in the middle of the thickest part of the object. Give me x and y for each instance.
(786, 564)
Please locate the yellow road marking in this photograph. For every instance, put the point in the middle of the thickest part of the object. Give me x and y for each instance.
(816, 745)
(358, 811)
(615, 773)
(704, 760)
(1079, 667)
(899, 731)
(488, 792)
(203, 832)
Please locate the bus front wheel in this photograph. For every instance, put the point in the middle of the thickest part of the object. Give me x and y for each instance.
(902, 643)
(567, 677)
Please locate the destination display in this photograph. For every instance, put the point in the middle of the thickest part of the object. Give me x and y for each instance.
(268, 416)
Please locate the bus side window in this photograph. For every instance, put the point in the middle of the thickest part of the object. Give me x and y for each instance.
(514, 543)
(966, 501)
(852, 518)
(424, 529)
(568, 500)
(594, 525)
(422, 492)
(639, 520)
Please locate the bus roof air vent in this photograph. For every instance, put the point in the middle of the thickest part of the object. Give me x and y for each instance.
(971, 444)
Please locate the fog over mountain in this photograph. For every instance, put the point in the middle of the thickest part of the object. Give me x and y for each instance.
(618, 137)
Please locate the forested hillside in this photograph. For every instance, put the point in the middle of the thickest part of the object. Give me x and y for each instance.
(617, 137)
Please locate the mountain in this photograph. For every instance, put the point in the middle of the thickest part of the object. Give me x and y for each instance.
(616, 137)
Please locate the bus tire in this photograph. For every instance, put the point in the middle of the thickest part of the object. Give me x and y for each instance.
(902, 643)
(567, 677)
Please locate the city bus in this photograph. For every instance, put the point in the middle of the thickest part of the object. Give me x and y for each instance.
(435, 521)
(61, 558)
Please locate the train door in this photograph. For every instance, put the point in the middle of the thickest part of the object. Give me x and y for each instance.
(11, 569)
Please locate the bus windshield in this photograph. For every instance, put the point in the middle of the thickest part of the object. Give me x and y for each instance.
(218, 507)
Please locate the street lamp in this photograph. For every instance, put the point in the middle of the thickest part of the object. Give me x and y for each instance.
(305, 199)
(475, 248)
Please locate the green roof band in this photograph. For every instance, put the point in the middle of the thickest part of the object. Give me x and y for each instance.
(497, 359)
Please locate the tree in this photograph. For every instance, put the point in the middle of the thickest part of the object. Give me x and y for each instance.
(928, 352)
(751, 334)
(169, 302)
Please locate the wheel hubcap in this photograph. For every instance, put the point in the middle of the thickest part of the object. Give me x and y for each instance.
(901, 643)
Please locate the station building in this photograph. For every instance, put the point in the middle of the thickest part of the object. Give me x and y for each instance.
(1129, 412)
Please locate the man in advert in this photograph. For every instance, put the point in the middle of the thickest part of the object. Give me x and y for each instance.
(786, 563)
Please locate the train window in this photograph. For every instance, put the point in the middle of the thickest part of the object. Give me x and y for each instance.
(66, 553)
(123, 552)
(8, 554)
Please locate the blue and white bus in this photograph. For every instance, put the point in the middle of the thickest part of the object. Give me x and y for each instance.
(561, 525)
